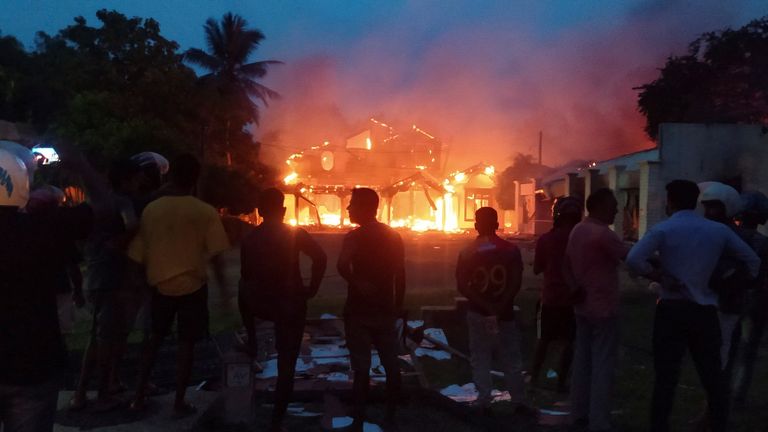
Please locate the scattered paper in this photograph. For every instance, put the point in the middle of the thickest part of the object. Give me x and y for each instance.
(341, 422)
(327, 350)
(554, 413)
(337, 377)
(270, 370)
(331, 361)
(436, 334)
(415, 324)
(428, 349)
(303, 366)
(468, 393)
(465, 393)
(298, 410)
(434, 353)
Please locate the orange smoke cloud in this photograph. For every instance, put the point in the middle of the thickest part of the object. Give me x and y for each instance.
(487, 92)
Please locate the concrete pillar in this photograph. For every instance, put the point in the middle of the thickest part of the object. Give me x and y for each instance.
(652, 196)
(590, 184)
(517, 223)
(571, 184)
(344, 203)
(614, 173)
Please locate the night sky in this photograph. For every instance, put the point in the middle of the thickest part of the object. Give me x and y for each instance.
(484, 76)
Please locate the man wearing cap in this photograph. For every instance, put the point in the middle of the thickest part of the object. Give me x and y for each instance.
(32, 351)
(488, 273)
(372, 261)
(689, 247)
(754, 214)
(730, 279)
(272, 288)
(556, 320)
(178, 235)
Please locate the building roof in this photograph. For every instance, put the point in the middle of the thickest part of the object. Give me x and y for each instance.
(630, 161)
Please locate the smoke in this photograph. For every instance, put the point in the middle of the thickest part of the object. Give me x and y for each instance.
(486, 87)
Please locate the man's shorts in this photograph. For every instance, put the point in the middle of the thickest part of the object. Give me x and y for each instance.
(362, 333)
(191, 310)
(114, 313)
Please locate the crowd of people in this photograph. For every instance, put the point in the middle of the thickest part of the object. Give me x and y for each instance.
(148, 245)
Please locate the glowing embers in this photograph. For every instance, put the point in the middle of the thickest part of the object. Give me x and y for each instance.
(443, 217)
(291, 178)
(319, 208)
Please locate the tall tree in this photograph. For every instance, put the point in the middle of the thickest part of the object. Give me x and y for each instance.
(232, 78)
(116, 88)
(14, 70)
(723, 78)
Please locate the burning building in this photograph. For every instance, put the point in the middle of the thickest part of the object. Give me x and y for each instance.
(406, 167)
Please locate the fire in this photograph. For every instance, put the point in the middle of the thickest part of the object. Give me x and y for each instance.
(425, 200)
(290, 178)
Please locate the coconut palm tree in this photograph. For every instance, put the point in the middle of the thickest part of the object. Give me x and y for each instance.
(231, 78)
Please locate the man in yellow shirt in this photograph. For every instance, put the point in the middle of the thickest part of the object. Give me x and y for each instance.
(178, 235)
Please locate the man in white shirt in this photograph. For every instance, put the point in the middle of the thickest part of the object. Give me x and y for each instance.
(689, 247)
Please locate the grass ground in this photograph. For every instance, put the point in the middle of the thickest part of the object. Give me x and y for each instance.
(430, 265)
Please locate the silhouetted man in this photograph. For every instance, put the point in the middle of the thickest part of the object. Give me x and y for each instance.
(593, 255)
(272, 288)
(488, 273)
(33, 357)
(115, 303)
(178, 235)
(757, 305)
(556, 320)
(689, 247)
(372, 261)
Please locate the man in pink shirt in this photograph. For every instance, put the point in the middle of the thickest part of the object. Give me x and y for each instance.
(593, 255)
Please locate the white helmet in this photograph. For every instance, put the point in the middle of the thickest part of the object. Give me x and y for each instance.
(23, 153)
(716, 191)
(14, 180)
(152, 159)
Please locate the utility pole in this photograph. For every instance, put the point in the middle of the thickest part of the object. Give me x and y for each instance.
(540, 146)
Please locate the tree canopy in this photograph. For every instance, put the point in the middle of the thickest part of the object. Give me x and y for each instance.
(118, 87)
(231, 82)
(723, 78)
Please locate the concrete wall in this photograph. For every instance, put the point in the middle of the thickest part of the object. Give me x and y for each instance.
(700, 152)
(714, 152)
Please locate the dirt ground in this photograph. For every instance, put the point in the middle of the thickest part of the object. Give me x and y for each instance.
(430, 265)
